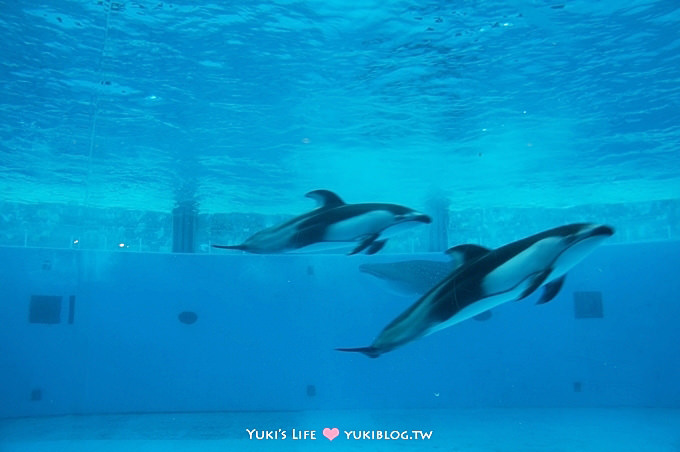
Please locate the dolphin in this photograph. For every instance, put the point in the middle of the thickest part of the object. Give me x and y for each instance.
(333, 224)
(488, 278)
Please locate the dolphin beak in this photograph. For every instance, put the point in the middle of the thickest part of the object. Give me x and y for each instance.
(422, 218)
(602, 230)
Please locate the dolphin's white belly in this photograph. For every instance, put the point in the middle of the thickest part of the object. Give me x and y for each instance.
(573, 255)
(359, 226)
(515, 271)
(482, 305)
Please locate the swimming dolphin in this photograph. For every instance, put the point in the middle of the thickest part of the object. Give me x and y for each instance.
(488, 278)
(333, 224)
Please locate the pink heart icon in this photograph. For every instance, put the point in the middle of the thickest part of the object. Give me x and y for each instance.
(331, 433)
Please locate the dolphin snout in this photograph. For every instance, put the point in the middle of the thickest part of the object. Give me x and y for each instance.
(422, 218)
(603, 230)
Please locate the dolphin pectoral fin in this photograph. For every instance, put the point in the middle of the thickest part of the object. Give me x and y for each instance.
(537, 281)
(364, 244)
(551, 290)
(371, 352)
(325, 198)
(376, 246)
(232, 247)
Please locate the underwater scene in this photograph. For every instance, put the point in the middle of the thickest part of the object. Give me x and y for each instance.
(341, 225)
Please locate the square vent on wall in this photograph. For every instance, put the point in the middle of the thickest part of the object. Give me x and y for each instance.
(588, 305)
(45, 309)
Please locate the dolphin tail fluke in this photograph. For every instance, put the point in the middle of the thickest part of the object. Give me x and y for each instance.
(371, 352)
(231, 247)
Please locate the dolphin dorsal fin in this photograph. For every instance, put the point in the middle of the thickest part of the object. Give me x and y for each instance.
(325, 198)
(462, 254)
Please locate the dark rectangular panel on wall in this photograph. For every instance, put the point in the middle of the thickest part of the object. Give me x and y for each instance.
(44, 309)
(588, 305)
(71, 308)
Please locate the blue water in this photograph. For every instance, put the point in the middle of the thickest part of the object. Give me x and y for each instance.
(122, 367)
(245, 107)
(515, 116)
